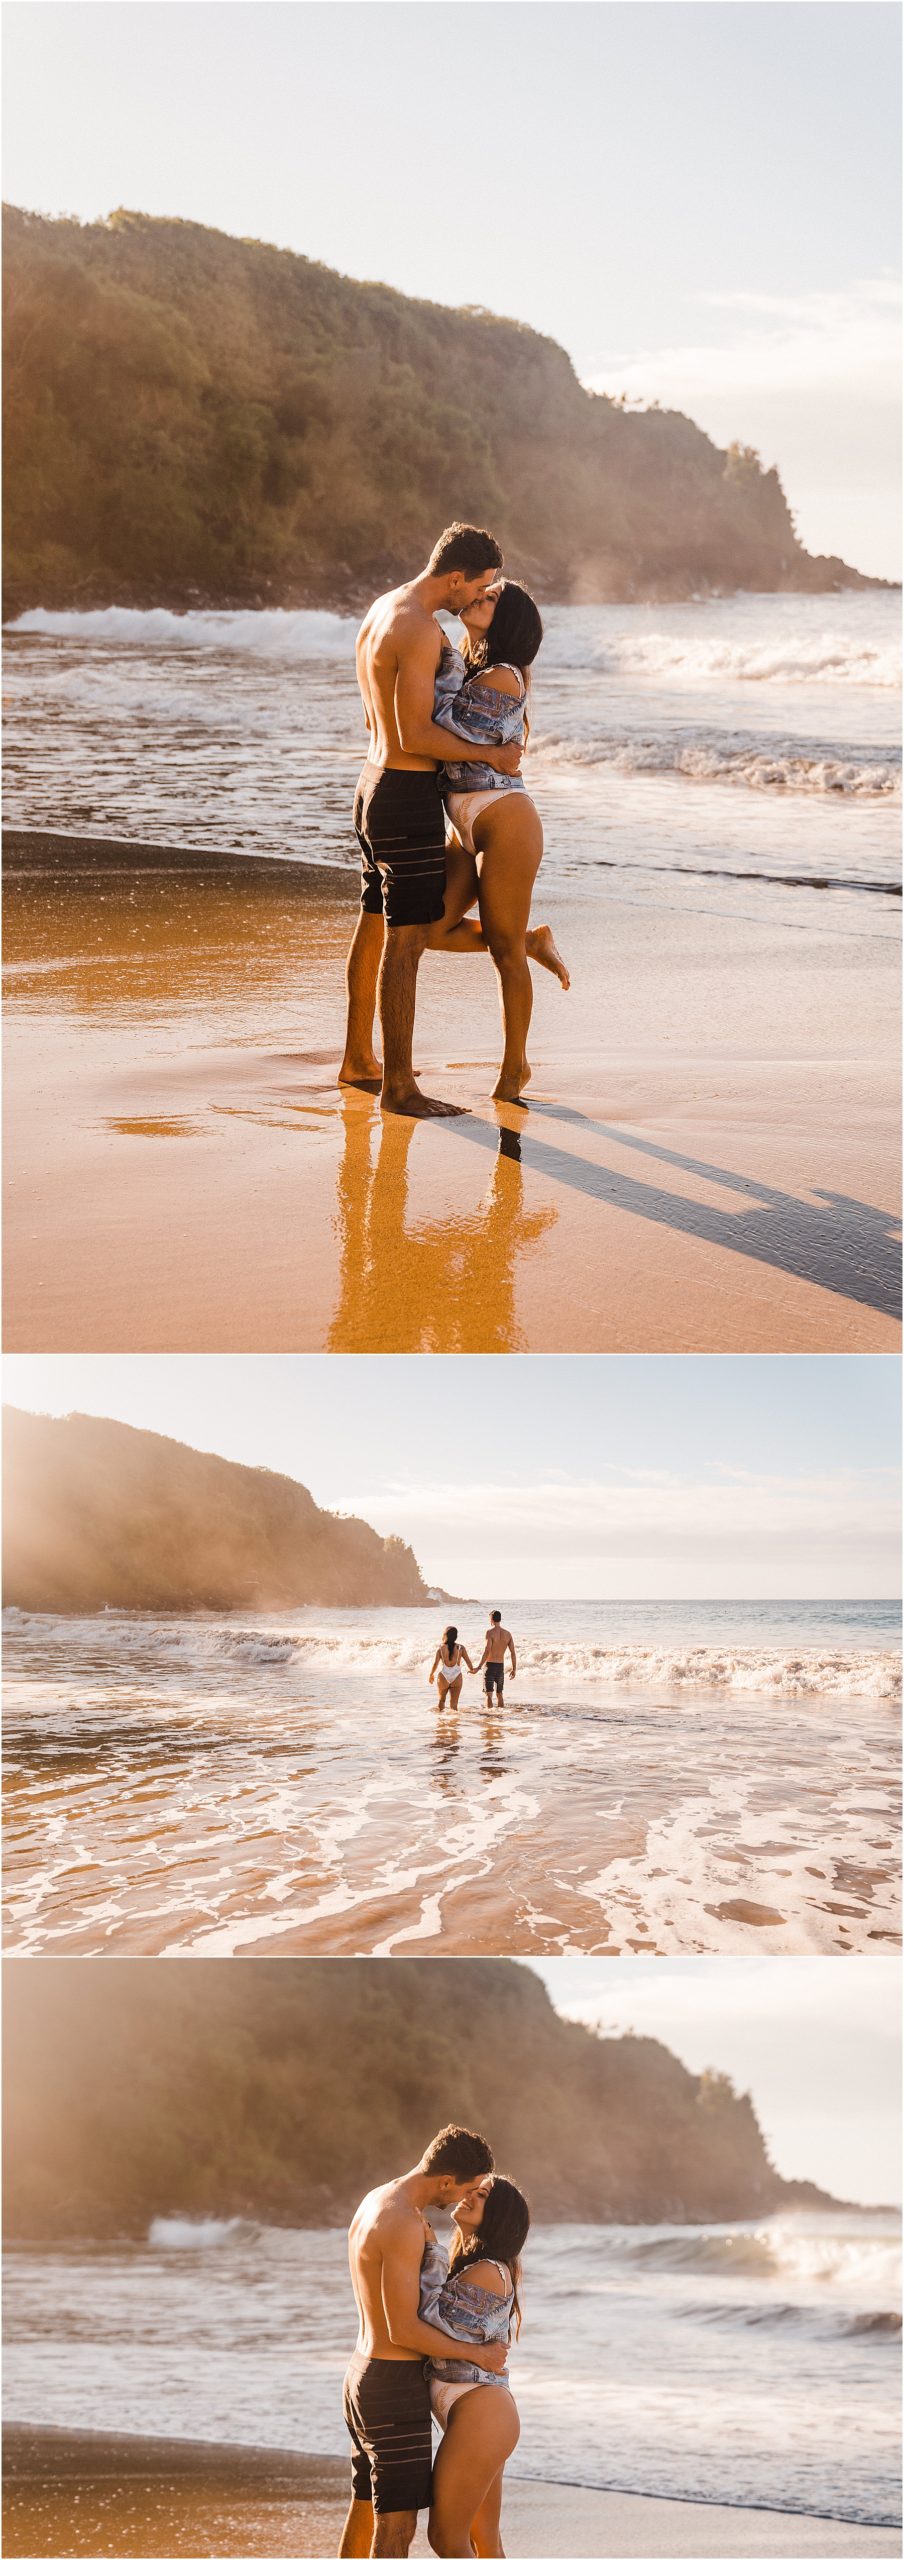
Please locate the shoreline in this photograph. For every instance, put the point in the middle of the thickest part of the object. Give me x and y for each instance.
(153, 2491)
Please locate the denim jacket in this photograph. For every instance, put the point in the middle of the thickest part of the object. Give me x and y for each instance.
(479, 712)
(464, 2311)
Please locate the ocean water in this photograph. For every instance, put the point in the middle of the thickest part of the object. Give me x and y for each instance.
(746, 742)
(660, 1778)
(754, 2364)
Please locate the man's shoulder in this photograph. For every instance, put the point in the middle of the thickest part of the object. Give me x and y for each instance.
(385, 2204)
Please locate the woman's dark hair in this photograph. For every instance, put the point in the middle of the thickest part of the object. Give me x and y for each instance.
(450, 1637)
(514, 635)
(502, 2234)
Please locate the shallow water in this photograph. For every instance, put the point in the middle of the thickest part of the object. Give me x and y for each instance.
(668, 1778)
(754, 2364)
(751, 738)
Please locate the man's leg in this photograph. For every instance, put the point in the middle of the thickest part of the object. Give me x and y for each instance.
(359, 1065)
(358, 2531)
(394, 2534)
(396, 996)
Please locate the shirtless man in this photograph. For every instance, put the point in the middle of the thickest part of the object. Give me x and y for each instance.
(386, 2398)
(492, 1661)
(399, 816)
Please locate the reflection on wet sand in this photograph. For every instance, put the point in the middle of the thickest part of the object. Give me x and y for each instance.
(673, 1185)
(441, 1283)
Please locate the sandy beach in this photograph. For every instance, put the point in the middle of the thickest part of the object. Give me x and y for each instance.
(124, 2497)
(707, 1162)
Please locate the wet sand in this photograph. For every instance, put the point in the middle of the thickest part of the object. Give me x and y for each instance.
(138, 2498)
(707, 1163)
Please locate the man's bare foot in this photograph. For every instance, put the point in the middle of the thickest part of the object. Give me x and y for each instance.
(511, 1087)
(541, 947)
(411, 1104)
(366, 1073)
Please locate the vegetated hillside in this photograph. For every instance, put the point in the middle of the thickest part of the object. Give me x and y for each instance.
(282, 2089)
(194, 418)
(98, 1515)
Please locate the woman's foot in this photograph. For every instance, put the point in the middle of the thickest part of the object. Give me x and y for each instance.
(541, 947)
(511, 1087)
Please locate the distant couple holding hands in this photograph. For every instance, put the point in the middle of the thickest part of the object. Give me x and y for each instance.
(442, 816)
(450, 1661)
(433, 2337)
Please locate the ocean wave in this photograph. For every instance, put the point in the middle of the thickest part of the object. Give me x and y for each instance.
(744, 1670)
(202, 1642)
(782, 765)
(828, 657)
(182, 2231)
(815, 2320)
(691, 656)
(851, 2260)
(268, 633)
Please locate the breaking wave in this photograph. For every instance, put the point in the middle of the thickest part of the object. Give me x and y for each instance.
(746, 1670)
(785, 2249)
(180, 2231)
(699, 657)
(755, 764)
(693, 656)
(271, 633)
(820, 1671)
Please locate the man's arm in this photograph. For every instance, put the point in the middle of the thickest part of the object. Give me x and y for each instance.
(402, 2254)
(419, 734)
(511, 1646)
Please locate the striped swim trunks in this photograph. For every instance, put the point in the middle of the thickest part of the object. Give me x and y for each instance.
(401, 829)
(386, 2405)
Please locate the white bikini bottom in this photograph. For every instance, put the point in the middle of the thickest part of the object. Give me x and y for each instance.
(463, 808)
(443, 2395)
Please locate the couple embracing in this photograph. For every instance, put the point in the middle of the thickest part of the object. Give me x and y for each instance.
(433, 2336)
(442, 816)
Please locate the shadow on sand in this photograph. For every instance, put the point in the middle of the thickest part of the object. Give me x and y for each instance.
(829, 1240)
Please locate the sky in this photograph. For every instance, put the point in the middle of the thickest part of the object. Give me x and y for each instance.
(584, 1477)
(697, 198)
(816, 2041)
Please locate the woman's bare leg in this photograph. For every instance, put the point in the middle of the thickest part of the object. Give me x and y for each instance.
(453, 932)
(457, 931)
(483, 2430)
(509, 844)
(450, 1689)
(486, 2526)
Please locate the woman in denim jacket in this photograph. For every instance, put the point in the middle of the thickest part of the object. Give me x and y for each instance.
(474, 2294)
(496, 841)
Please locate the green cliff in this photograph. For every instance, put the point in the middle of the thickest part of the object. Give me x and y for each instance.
(197, 419)
(97, 1516)
(282, 2089)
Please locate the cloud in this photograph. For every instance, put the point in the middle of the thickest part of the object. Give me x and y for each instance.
(658, 1518)
(813, 380)
(816, 2042)
(775, 344)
